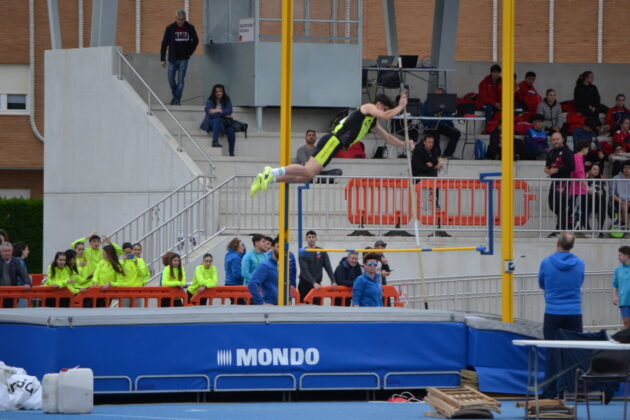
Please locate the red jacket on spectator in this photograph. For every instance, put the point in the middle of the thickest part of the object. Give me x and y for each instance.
(489, 92)
(615, 114)
(621, 137)
(529, 95)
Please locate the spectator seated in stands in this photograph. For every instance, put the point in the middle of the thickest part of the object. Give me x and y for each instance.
(617, 113)
(437, 128)
(218, 118)
(586, 96)
(588, 133)
(621, 193)
(489, 96)
(494, 146)
(526, 92)
(596, 202)
(536, 146)
(617, 158)
(551, 110)
(367, 290)
(622, 135)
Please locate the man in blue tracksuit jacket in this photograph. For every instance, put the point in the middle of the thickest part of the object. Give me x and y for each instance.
(367, 289)
(263, 283)
(561, 276)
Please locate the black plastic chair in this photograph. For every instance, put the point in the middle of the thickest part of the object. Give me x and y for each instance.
(606, 366)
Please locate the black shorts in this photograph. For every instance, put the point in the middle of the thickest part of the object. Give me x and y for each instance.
(326, 149)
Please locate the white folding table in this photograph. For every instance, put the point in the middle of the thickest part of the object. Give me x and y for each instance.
(534, 345)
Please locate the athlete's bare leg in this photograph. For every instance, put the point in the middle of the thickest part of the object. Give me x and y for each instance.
(299, 173)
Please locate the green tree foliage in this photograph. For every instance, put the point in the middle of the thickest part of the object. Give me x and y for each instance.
(23, 220)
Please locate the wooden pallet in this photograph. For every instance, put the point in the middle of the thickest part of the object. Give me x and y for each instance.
(460, 402)
(548, 409)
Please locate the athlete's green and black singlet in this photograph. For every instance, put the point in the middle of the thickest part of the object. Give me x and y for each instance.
(349, 131)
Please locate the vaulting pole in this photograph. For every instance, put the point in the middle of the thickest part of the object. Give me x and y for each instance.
(285, 145)
(507, 163)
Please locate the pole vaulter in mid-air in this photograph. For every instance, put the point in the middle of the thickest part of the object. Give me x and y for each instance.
(349, 131)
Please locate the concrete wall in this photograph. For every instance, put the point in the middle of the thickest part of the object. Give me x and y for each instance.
(148, 66)
(105, 159)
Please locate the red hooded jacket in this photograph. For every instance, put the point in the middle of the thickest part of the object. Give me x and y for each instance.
(489, 92)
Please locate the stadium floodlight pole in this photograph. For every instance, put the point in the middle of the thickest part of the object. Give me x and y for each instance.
(285, 146)
(507, 163)
(414, 199)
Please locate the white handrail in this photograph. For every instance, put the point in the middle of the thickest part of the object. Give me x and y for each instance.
(121, 59)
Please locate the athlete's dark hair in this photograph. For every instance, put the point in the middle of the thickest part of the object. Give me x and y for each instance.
(530, 74)
(549, 90)
(311, 232)
(625, 250)
(371, 256)
(207, 254)
(495, 67)
(384, 100)
(536, 117)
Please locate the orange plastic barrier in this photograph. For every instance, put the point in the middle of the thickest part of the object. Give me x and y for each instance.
(163, 296)
(224, 294)
(341, 293)
(376, 201)
(464, 202)
(37, 279)
(231, 294)
(34, 297)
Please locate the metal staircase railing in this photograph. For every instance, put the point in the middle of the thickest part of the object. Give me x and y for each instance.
(164, 209)
(183, 133)
(184, 232)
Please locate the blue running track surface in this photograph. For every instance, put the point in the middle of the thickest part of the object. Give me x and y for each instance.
(287, 411)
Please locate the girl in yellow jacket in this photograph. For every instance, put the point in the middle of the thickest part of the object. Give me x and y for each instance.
(205, 277)
(80, 283)
(110, 271)
(59, 277)
(174, 275)
(134, 253)
(93, 254)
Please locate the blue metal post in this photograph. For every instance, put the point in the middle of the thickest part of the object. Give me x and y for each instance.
(490, 183)
(299, 211)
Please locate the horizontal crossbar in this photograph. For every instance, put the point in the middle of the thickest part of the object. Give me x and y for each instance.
(459, 248)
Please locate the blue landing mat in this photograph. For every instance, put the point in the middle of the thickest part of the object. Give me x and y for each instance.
(288, 411)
